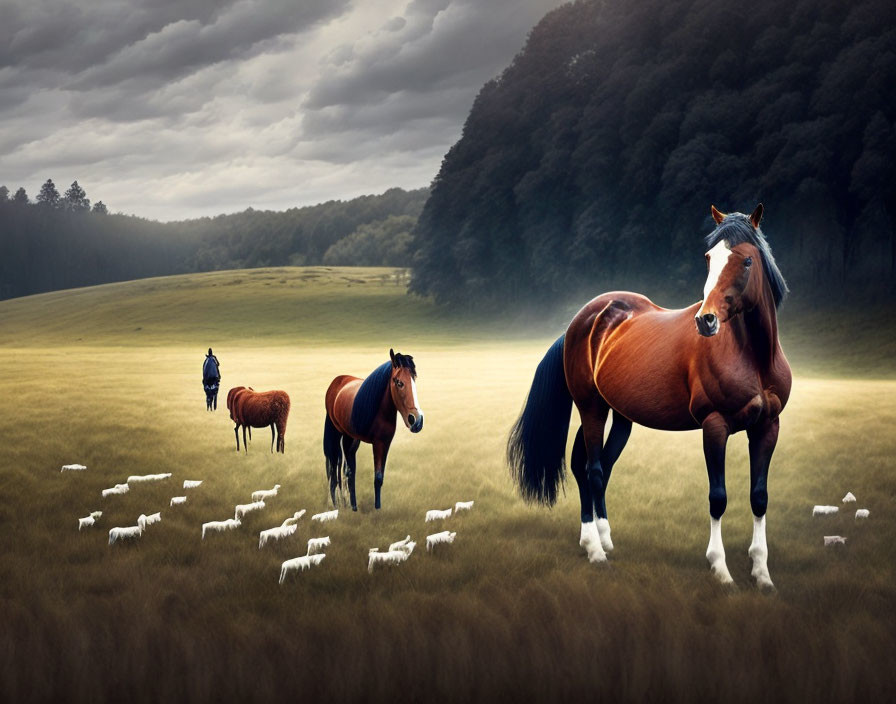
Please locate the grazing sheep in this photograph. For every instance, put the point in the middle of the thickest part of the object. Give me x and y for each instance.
(862, 513)
(305, 562)
(436, 515)
(145, 520)
(849, 498)
(116, 490)
(824, 510)
(315, 545)
(277, 533)
(436, 538)
(393, 557)
(140, 478)
(192, 483)
(262, 494)
(89, 520)
(463, 506)
(129, 532)
(220, 526)
(326, 516)
(73, 468)
(834, 540)
(243, 509)
(400, 544)
(178, 500)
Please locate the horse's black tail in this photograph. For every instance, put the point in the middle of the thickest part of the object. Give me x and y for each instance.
(333, 453)
(536, 449)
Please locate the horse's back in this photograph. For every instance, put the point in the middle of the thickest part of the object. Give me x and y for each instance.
(210, 369)
(339, 400)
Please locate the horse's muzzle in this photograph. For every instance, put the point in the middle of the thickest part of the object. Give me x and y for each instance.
(707, 325)
(415, 424)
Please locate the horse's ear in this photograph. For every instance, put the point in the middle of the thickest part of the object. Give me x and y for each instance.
(392, 357)
(756, 217)
(717, 215)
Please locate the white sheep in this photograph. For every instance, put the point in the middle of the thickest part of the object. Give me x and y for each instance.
(262, 494)
(73, 468)
(305, 562)
(129, 532)
(192, 483)
(178, 500)
(834, 540)
(145, 520)
(824, 510)
(400, 544)
(463, 506)
(88, 521)
(116, 490)
(326, 516)
(242, 509)
(849, 498)
(315, 545)
(862, 513)
(393, 557)
(140, 478)
(220, 526)
(436, 515)
(436, 538)
(284, 530)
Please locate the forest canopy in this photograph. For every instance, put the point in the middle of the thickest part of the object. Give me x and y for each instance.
(592, 161)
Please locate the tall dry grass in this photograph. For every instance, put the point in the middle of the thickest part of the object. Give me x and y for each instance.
(511, 609)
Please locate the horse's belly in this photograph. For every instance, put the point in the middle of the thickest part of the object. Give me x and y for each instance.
(648, 388)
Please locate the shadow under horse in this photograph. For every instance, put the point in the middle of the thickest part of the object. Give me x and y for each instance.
(364, 410)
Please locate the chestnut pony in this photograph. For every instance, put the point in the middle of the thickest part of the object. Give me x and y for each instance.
(364, 411)
(716, 366)
(252, 409)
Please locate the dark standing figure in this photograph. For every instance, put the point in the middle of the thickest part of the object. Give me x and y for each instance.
(211, 380)
(364, 410)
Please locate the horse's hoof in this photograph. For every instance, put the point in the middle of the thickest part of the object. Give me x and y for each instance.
(354, 508)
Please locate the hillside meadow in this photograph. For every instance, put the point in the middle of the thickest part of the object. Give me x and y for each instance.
(110, 377)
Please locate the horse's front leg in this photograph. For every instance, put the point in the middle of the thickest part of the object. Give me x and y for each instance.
(763, 437)
(715, 438)
(236, 432)
(380, 452)
(245, 444)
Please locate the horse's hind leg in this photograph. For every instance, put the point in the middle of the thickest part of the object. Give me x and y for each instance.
(236, 432)
(763, 437)
(620, 431)
(350, 449)
(281, 436)
(594, 419)
(245, 444)
(272, 440)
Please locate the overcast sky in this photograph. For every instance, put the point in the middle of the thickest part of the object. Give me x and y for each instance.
(179, 108)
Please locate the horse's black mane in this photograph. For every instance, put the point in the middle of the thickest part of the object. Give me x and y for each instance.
(736, 229)
(367, 400)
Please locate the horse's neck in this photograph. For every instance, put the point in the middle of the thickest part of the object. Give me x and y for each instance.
(388, 408)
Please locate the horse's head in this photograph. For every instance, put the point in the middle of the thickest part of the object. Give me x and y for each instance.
(734, 280)
(404, 390)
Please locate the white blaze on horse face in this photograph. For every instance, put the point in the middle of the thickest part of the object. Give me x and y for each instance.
(718, 258)
(414, 393)
(715, 552)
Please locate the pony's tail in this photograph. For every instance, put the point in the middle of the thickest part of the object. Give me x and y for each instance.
(333, 453)
(536, 449)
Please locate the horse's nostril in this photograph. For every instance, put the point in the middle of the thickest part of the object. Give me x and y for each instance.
(709, 318)
(411, 419)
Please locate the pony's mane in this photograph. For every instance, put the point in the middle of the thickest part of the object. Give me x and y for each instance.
(367, 400)
(736, 229)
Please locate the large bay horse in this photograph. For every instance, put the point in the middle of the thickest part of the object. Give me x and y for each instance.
(253, 409)
(716, 366)
(364, 411)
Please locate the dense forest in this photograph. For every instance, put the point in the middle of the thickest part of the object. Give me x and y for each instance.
(60, 241)
(592, 161)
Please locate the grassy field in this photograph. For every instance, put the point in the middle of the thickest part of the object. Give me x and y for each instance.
(110, 377)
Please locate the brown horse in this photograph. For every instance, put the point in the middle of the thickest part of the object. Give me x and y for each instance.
(651, 366)
(364, 411)
(252, 409)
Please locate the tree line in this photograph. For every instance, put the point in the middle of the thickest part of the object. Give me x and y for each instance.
(61, 241)
(591, 162)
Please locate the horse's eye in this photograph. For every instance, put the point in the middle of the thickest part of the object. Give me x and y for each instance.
(399, 383)
(748, 262)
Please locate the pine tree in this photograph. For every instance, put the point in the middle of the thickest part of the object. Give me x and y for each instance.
(100, 207)
(20, 198)
(76, 199)
(4, 194)
(48, 195)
